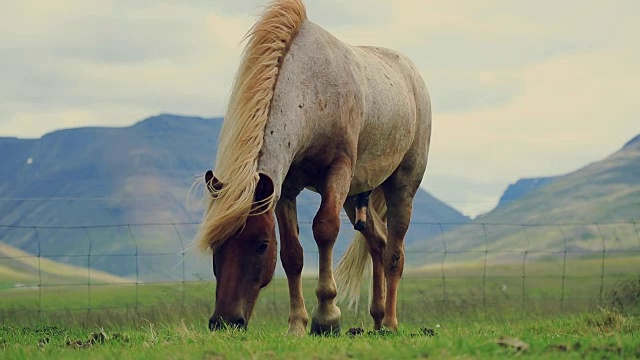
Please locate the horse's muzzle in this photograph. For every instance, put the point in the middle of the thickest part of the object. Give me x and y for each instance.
(218, 322)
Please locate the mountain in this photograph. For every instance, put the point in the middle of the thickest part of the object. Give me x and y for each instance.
(97, 178)
(145, 162)
(632, 142)
(523, 187)
(584, 212)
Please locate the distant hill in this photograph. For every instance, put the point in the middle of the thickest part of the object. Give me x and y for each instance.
(142, 174)
(523, 187)
(595, 206)
(19, 269)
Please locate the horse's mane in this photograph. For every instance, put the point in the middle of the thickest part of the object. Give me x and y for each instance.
(244, 124)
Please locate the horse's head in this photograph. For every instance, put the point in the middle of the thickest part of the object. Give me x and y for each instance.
(244, 263)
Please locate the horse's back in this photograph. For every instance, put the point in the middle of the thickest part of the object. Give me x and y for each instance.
(336, 99)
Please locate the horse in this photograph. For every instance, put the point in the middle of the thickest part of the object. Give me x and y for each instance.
(308, 111)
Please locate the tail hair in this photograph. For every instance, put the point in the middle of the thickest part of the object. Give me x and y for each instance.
(356, 260)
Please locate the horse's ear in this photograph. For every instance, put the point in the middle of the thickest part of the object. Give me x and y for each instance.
(213, 184)
(264, 189)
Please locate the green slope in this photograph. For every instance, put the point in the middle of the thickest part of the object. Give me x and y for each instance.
(21, 269)
(584, 212)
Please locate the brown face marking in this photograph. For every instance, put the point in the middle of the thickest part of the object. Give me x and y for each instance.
(243, 265)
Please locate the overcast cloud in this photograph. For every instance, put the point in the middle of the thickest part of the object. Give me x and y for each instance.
(520, 88)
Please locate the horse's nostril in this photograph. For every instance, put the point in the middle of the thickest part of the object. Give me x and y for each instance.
(218, 322)
(215, 323)
(239, 322)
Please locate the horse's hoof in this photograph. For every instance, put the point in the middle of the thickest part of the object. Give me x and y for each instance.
(381, 332)
(296, 331)
(325, 330)
(360, 225)
(355, 331)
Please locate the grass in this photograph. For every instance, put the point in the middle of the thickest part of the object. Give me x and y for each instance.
(469, 310)
(598, 335)
(462, 291)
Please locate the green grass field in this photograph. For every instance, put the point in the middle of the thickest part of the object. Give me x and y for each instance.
(469, 311)
(594, 336)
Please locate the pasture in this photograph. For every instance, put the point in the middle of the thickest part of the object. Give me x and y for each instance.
(598, 335)
(552, 271)
(463, 314)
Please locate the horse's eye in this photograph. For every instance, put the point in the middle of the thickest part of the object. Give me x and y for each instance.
(262, 247)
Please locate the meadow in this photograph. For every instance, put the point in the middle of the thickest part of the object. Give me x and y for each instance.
(452, 311)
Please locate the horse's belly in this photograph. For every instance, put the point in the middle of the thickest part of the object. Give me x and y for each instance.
(389, 124)
(371, 174)
(380, 153)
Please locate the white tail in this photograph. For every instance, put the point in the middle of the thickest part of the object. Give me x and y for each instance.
(356, 259)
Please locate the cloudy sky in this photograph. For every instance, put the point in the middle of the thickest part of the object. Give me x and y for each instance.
(519, 88)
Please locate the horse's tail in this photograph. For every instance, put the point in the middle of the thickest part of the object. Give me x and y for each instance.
(356, 260)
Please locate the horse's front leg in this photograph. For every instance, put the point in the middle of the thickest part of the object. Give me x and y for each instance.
(292, 258)
(326, 224)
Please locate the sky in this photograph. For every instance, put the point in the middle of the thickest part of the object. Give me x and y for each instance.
(519, 88)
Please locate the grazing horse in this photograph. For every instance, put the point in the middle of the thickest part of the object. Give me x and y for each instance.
(309, 111)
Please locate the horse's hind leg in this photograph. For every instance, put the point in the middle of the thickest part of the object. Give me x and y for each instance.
(326, 224)
(375, 233)
(399, 191)
(291, 256)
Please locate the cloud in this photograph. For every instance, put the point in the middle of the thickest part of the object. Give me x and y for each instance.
(113, 65)
(519, 88)
(566, 106)
(573, 110)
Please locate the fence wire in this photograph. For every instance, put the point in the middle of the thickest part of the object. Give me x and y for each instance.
(456, 270)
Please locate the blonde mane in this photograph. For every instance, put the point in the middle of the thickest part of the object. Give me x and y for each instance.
(242, 133)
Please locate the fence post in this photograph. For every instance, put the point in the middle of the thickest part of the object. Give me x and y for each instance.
(564, 267)
(604, 253)
(524, 269)
(484, 272)
(444, 279)
(35, 229)
(88, 270)
(184, 276)
(137, 269)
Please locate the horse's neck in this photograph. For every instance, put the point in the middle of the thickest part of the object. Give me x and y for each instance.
(299, 114)
(277, 152)
(329, 94)
(287, 132)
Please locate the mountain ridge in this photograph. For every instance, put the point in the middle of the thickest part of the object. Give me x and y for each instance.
(139, 174)
(522, 187)
(586, 211)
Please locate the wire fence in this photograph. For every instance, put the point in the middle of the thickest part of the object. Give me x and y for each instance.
(468, 270)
